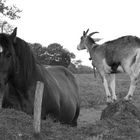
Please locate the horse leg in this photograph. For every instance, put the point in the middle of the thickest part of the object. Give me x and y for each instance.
(105, 83)
(111, 83)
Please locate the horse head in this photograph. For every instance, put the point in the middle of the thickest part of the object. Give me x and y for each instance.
(7, 56)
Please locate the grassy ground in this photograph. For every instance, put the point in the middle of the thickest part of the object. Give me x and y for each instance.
(16, 125)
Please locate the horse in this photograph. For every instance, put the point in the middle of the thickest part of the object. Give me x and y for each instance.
(19, 74)
(121, 55)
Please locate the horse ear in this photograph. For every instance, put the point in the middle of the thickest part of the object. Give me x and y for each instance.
(13, 35)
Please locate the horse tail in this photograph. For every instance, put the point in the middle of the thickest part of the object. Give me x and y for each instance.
(74, 81)
(74, 121)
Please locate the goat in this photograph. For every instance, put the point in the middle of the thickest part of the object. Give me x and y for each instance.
(116, 56)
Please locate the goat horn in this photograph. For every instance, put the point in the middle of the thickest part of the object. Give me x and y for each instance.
(93, 33)
(85, 33)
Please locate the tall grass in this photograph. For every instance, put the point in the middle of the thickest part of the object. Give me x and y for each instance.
(15, 125)
(92, 92)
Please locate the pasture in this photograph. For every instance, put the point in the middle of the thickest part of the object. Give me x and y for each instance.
(15, 125)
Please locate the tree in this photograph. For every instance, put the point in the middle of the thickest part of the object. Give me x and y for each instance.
(11, 12)
(77, 67)
(54, 54)
(72, 68)
(77, 63)
(40, 53)
(84, 70)
(59, 56)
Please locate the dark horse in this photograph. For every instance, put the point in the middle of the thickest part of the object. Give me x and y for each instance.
(19, 72)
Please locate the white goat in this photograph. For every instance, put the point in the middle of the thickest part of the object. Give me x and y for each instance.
(119, 55)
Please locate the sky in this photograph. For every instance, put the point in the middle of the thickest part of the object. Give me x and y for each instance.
(63, 21)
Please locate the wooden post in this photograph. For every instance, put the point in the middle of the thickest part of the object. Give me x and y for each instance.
(37, 107)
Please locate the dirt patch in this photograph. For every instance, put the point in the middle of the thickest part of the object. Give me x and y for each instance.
(122, 125)
(89, 115)
(16, 125)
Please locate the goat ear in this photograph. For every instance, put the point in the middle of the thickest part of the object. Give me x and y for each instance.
(13, 35)
(86, 31)
(92, 33)
(97, 39)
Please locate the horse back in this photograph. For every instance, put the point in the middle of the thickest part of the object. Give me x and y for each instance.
(61, 94)
(65, 80)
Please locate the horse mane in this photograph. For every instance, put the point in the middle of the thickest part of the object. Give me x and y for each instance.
(4, 41)
(26, 59)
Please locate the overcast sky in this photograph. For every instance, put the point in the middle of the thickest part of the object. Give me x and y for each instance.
(63, 21)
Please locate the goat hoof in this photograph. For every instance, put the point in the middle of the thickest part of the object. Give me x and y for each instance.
(114, 100)
(128, 98)
(109, 100)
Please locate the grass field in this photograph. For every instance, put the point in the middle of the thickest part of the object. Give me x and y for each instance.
(16, 125)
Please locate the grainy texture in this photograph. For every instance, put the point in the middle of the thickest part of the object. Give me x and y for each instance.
(15, 125)
(119, 108)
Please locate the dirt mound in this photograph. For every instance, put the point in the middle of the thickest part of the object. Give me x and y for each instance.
(119, 121)
(122, 108)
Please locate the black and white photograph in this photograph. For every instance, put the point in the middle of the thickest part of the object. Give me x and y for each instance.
(69, 70)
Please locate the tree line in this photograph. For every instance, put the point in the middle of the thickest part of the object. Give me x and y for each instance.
(53, 54)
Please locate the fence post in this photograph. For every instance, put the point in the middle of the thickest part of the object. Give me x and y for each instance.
(37, 107)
